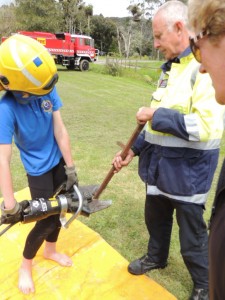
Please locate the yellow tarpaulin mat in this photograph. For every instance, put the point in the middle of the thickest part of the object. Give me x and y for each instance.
(99, 272)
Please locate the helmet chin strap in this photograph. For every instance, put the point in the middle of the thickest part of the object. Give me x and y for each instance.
(23, 97)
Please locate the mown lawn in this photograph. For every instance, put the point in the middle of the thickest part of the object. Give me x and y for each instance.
(99, 110)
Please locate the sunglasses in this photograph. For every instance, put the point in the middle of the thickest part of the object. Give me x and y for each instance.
(194, 47)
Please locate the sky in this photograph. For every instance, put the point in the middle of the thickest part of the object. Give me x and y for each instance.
(108, 8)
(4, 2)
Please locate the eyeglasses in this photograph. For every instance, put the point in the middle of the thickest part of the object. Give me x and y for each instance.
(194, 47)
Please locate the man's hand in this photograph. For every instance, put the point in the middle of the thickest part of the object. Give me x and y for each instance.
(145, 114)
(14, 215)
(71, 177)
(118, 162)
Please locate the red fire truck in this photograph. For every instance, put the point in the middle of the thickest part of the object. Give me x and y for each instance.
(71, 50)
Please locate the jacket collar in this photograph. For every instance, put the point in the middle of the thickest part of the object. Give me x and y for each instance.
(167, 65)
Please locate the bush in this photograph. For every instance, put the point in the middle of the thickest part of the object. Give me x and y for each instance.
(113, 68)
(145, 71)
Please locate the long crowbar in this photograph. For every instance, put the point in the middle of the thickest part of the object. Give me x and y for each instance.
(95, 203)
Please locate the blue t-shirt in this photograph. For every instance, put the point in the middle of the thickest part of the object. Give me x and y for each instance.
(31, 126)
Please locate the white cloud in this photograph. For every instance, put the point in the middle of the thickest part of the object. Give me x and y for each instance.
(108, 8)
(5, 2)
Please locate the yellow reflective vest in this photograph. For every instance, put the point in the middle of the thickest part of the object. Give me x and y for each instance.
(184, 136)
(185, 90)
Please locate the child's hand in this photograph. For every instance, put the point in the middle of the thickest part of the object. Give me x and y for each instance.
(14, 215)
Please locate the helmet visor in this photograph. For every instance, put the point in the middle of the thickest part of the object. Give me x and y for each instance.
(4, 80)
(50, 85)
(46, 89)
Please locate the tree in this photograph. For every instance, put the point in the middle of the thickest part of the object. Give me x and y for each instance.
(73, 15)
(41, 15)
(103, 30)
(88, 13)
(137, 11)
(147, 7)
(124, 36)
(7, 19)
(141, 11)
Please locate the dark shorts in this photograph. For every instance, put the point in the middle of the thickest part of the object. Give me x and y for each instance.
(48, 229)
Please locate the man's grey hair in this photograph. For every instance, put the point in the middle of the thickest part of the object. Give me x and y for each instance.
(174, 11)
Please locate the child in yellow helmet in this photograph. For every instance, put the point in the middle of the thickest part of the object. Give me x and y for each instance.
(29, 114)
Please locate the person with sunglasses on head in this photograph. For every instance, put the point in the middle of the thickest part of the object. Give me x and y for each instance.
(29, 114)
(178, 151)
(207, 18)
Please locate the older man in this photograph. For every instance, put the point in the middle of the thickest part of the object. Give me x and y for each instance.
(178, 151)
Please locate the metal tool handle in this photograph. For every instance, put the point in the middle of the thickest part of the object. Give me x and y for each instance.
(6, 229)
(64, 205)
(123, 154)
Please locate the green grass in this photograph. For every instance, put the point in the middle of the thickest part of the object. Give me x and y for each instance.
(142, 70)
(99, 110)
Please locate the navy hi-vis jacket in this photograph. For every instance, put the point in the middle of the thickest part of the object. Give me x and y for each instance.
(178, 150)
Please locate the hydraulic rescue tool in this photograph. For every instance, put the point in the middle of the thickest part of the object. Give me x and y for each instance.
(76, 201)
(79, 200)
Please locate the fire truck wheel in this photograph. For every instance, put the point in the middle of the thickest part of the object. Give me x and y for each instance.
(84, 65)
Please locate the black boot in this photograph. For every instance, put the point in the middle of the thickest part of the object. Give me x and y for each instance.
(199, 294)
(143, 265)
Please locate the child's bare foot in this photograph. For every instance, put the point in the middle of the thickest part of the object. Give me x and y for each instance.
(60, 258)
(26, 284)
(51, 253)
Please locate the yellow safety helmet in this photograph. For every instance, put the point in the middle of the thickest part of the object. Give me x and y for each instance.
(26, 66)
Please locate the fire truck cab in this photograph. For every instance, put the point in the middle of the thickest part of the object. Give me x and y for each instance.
(77, 51)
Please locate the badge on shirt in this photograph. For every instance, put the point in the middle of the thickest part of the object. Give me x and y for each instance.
(163, 83)
(46, 106)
